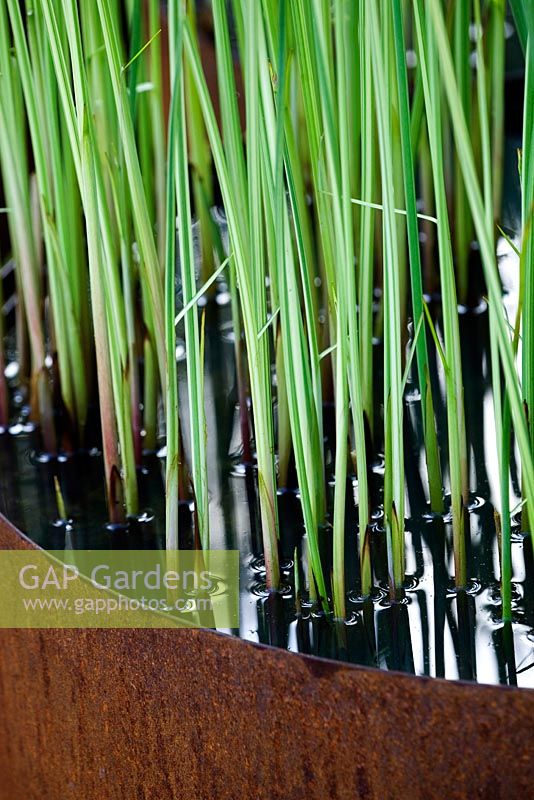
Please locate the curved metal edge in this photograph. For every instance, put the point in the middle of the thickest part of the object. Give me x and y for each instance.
(13, 538)
(192, 713)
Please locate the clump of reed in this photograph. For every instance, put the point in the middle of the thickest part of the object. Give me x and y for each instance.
(319, 171)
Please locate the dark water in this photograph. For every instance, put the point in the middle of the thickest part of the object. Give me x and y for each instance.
(432, 631)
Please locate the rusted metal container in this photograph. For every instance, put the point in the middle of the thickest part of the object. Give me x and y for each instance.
(159, 714)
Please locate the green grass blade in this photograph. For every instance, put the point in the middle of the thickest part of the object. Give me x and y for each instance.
(197, 423)
(431, 444)
(260, 388)
(454, 386)
(149, 257)
(520, 18)
(462, 222)
(485, 238)
(393, 403)
(171, 386)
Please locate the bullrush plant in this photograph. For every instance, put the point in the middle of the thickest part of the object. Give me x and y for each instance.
(333, 160)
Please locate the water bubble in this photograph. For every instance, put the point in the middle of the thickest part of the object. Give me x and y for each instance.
(58, 522)
(493, 594)
(377, 513)
(476, 502)
(411, 583)
(475, 32)
(239, 470)
(227, 332)
(516, 593)
(411, 59)
(412, 397)
(143, 518)
(509, 30)
(116, 527)
(145, 86)
(217, 588)
(403, 601)
(473, 587)
(516, 535)
(356, 597)
(41, 457)
(259, 589)
(287, 491)
(476, 310)
(12, 370)
(17, 429)
(223, 298)
(387, 602)
(257, 564)
(379, 593)
(428, 516)
(378, 466)
(376, 529)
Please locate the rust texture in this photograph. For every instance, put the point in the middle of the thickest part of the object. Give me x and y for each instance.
(159, 714)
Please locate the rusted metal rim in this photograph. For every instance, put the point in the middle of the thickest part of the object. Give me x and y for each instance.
(196, 714)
